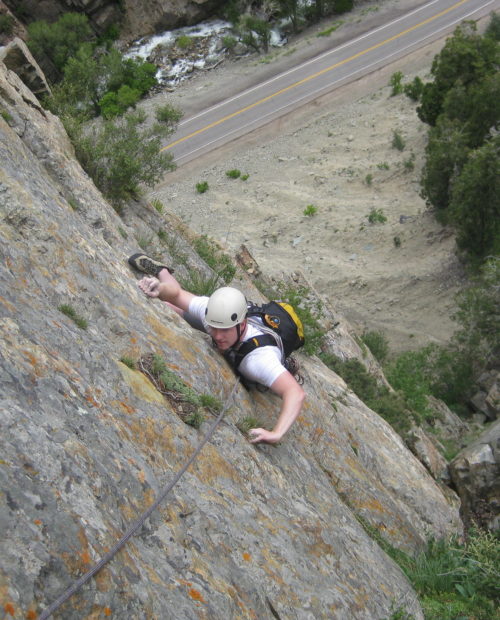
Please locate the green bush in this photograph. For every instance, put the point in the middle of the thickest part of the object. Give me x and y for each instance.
(376, 216)
(202, 187)
(342, 6)
(229, 42)
(414, 89)
(6, 24)
(59, 41)
(396, 83)
(105, 83)
(398, 141)
(114, 104)
(310, 210)
(233, 174)
(389, 405)
(474, 208)
(184, 42)
(119, 155)
(377, 343)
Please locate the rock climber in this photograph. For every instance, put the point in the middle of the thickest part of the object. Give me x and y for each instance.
(223, 316)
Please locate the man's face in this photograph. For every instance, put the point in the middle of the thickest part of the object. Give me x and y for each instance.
(224, 338)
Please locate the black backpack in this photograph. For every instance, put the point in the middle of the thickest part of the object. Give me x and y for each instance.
(287, 331)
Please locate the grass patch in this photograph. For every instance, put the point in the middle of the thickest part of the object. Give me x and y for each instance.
(310, 210)
(187, 403)
(199, 283)
(398, 141)
(71, 313)
(157, 205)
(376, 216)
(215, 258)
(454, 580)
(328, 31)
(128, 361)
(248, 422)
(202, 187)
(233, 174)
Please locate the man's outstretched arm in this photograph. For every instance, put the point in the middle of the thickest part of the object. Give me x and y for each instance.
(292, 396)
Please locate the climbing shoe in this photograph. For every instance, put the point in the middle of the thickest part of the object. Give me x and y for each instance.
(148, 265)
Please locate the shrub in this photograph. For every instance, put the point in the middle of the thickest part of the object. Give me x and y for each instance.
(395, 83)
(377, 343)
(120, 155)
(59, 41)
(342, 6)
(184, 42)
(414, 89)
(229, 42)
(310, 210)
(233, 174)
(369, 179)
(409, 164)
(114, 104)
(376, 216)
(392, 407)
(397, 141)
(202, 187)
(6, 24)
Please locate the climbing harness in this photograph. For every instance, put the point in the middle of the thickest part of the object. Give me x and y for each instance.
(135, 526)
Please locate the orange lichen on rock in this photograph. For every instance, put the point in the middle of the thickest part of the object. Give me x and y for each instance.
(196, 595)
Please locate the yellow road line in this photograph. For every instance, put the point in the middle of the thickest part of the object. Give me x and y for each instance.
(314, 75)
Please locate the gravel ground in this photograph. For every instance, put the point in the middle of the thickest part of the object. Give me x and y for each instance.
(399, 276)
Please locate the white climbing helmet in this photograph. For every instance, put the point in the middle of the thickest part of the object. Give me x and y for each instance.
(226, 307)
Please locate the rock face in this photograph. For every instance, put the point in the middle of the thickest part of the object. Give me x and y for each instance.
(476, 475)
(87, 443)
(136, 18)
(17, 57)
(152, 16)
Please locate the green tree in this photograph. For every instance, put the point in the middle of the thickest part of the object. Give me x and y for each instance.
(475, 201)
(446, 153)
(293, 10)
(342, 6)
(100, 82)
(466, 58)
(57, 42)
(478, 316)
(121, 154)
(256, 33)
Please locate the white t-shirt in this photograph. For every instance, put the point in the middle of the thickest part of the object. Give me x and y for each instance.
(263, 364)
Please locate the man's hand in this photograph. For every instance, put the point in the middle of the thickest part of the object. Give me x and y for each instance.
(260, 434)
(150, 286)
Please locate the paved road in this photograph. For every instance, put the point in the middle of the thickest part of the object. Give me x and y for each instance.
(296, 87)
